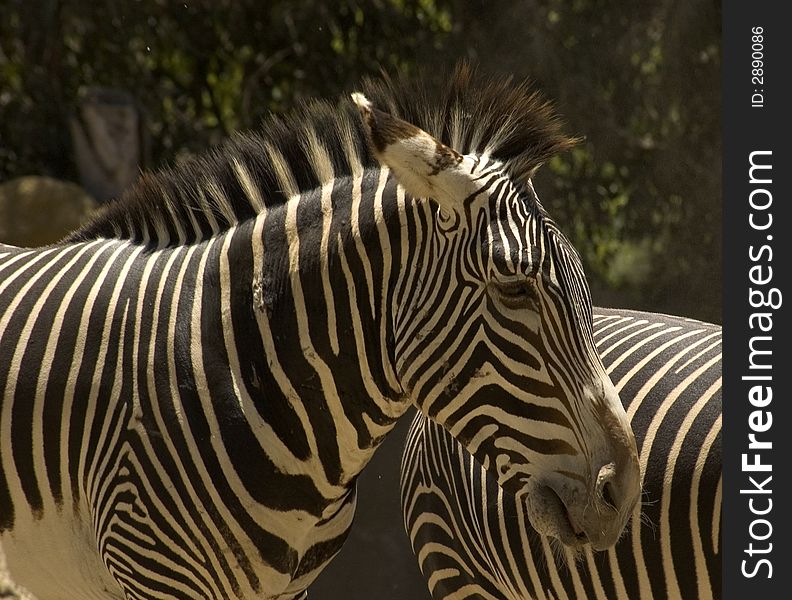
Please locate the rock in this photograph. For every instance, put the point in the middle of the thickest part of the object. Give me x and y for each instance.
(36, 211)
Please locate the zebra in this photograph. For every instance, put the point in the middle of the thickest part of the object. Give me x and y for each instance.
(192, 381)
(471, 537)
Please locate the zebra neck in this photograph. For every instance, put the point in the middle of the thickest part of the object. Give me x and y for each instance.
(305, 303)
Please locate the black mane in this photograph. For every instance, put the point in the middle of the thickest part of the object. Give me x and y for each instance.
(301, 151)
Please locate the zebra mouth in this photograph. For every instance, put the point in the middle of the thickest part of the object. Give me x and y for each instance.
(550, 516)
(574, 534)
(577, 531)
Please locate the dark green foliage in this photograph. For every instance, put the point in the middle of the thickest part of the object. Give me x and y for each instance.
(198, 68)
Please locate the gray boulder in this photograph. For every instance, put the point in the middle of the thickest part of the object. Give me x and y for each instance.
(36, 211)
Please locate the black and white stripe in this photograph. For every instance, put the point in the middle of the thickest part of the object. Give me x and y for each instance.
(472, 539)
(192, 382)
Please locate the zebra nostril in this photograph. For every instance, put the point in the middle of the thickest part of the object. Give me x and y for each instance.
(605, 487)
(608, 495)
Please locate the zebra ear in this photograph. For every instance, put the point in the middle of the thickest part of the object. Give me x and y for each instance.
(424, 166)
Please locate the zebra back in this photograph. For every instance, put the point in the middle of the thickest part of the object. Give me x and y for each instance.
(473, 541)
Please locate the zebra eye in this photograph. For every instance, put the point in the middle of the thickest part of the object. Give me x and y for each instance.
(519, 294)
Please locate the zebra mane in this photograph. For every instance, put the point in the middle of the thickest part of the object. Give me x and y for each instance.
(291, 154)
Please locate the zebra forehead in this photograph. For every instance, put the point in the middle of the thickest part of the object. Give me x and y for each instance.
(506, 121)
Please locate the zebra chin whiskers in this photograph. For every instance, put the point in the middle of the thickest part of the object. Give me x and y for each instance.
(567, 557)
(643, 517)
(552, 555)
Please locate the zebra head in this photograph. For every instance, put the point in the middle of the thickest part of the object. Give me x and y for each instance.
(493, 338)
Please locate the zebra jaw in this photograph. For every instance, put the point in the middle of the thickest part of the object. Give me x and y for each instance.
(423, 165)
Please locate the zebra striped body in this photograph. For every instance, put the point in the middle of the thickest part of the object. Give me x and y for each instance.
(472, 541)
(196, 378)
(145, 425)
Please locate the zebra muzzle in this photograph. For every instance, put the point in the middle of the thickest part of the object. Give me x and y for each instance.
(576, 529)
(550, 515)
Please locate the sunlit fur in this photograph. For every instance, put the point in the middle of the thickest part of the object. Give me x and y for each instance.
(196, 378)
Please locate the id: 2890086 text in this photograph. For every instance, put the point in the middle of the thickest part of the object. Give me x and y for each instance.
(757, 66)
